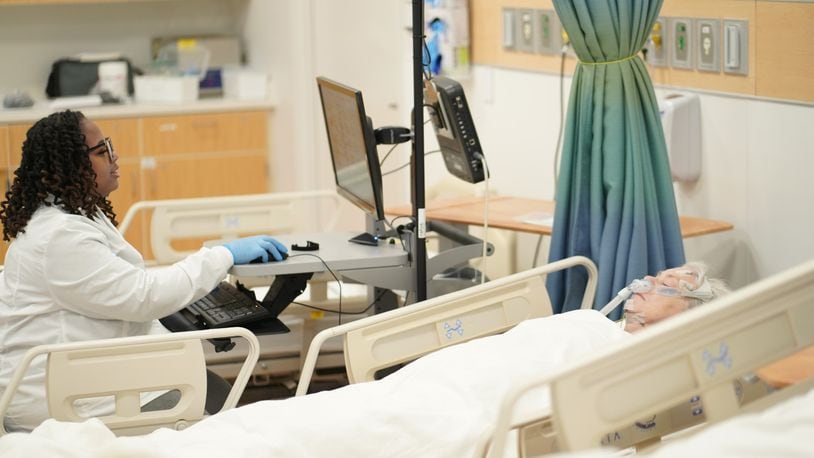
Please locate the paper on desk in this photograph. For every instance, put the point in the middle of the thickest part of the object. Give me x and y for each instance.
(537, 218)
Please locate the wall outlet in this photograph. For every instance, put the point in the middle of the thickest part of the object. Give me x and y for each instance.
(681, 43)
(708, 45)
(524, 31)
(736, 46)
(658, 44)
(549, 40)
(508, 28)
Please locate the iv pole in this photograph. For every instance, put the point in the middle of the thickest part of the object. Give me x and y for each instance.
(417, 168)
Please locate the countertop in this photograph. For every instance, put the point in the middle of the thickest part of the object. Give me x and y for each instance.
(132, 109)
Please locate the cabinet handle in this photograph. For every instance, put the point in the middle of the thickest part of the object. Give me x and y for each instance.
(134, 176)
(204, 123)
(168, 127)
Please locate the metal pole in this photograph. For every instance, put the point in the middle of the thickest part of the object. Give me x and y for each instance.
(417, 169)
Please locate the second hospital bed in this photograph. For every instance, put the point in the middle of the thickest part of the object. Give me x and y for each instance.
(668, 364)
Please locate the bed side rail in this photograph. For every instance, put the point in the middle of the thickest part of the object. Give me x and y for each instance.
(404, 334)
(125, 367)
(697, 354)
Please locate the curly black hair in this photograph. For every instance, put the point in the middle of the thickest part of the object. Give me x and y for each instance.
(54, 163)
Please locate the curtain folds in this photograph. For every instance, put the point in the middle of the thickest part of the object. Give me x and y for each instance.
(614, 197)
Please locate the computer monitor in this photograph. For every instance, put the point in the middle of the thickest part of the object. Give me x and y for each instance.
(353, 150)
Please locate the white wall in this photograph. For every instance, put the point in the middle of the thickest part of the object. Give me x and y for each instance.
(757, 154)
(757, 162)
(34, 36)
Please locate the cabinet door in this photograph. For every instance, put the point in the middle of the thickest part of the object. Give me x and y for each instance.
(129, 192)
(122, 132)
(184, 177)
(5, 173)
(16, 137)
(5, 170)
(177, 178)
(205, 133)
(124, 135)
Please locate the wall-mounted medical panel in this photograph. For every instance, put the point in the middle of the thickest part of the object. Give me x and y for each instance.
(658, 44)
(681, 42)
(548, 32)
(701, 77)
(707, 45)
(524, 30)
(507, 31)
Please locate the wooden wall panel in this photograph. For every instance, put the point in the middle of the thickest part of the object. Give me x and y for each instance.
(487, 41)
(785, 50)
(715, 9)
(781, 46)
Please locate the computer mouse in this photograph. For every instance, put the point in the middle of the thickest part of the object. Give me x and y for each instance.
(259, 260)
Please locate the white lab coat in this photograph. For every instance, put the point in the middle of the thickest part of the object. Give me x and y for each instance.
(69, 278)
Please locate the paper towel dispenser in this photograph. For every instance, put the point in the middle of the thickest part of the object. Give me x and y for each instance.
(681, 120)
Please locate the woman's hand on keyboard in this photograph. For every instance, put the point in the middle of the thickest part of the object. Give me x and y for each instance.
(259, 246)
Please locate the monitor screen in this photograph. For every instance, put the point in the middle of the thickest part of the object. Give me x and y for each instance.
(353, 146)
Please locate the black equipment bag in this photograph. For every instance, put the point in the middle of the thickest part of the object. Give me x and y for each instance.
(70, 77)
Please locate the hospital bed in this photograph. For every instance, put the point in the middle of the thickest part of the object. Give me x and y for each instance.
(694, 370)
(699, 355)
(668, 364)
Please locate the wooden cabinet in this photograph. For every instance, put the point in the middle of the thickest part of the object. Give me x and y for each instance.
(205, 133)
(5, 172)
(179, 156)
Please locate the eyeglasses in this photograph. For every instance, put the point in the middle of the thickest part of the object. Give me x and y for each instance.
(105, 143)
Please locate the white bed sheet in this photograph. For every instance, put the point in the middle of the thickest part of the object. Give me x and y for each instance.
(441, 405)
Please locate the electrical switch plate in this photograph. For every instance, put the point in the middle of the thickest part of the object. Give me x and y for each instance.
(657, 44)
(708, 45)
(549, 40)
(508, 28)
(736, 46)
(524, 30)
(681, 43)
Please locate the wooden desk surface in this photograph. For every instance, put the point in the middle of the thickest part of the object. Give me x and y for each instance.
(790, 370)
(507, 212)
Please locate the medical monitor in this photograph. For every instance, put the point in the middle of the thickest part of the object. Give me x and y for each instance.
(455, 129)
(353, 148)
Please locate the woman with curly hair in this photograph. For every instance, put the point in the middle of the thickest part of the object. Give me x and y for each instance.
(69, 273)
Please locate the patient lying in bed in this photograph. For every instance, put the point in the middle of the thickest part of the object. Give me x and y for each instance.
(440, 405)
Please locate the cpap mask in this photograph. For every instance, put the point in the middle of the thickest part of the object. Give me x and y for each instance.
(701, 293)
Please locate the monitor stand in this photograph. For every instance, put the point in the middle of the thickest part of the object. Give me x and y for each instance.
(372, 228)
(365, 239)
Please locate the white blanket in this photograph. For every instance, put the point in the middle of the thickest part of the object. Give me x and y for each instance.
(442, 405)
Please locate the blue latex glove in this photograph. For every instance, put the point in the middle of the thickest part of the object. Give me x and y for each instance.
(249, 248)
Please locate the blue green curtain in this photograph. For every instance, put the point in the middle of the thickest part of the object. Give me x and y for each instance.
(614, 197)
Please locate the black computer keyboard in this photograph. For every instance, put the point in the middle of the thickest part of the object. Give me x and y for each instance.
(227, 306)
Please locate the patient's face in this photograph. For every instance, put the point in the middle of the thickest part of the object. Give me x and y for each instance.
(643, 309)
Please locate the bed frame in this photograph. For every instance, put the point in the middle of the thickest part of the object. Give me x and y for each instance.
(698, 356)
(402, 335)
(230, 217)
(125, 367)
